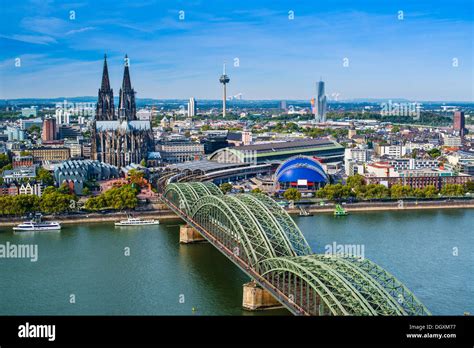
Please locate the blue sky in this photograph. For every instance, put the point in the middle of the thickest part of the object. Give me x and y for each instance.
(279, 57)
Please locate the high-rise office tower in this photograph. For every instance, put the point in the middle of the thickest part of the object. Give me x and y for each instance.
(191, 107)
(62, 116)
(459, 122)
(321, 103)
(49, 132)
(224, 79)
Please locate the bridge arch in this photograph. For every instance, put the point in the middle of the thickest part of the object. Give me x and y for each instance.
(334, 285)
(184, 196)
(277, 255)
(230, 220)
(288, 225)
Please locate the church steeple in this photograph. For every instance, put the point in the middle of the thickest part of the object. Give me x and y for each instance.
(127, 107)
(105, 102)
(118, 138)
(105, 76)
(126, 84)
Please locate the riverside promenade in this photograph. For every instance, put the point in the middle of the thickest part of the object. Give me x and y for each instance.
(164, 214)
(391, 205)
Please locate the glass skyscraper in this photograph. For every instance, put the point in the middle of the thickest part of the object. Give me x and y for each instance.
(321, 103)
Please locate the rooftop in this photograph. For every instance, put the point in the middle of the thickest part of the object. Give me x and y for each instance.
(285, 145)
(130, 125)
(204, 166)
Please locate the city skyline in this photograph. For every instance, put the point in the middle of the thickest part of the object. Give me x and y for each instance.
(277, 51)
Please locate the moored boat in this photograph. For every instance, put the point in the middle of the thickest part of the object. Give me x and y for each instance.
(340, 211)
(37, 225)
(137, 222)
(304, 212)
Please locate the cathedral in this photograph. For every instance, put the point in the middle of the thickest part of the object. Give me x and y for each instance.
(117, 137)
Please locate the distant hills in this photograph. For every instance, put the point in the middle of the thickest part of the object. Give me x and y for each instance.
(148, 101)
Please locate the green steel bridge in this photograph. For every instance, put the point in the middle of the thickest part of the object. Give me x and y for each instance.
(255, 233)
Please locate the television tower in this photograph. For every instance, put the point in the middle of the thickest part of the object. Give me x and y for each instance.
(224, 79)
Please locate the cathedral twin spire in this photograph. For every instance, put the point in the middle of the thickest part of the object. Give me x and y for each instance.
(105, 103)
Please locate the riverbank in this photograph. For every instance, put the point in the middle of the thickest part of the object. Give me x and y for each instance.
(162, 215)
(168, 215)
(387, 206)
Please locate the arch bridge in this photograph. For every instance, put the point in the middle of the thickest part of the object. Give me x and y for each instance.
(259, 236)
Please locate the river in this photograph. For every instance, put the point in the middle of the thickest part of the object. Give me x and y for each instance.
(99, 269)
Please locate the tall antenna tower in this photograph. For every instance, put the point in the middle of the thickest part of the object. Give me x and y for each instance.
(224, 79)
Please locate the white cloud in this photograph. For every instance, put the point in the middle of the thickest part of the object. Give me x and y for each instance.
(76, 31)
(34, 39)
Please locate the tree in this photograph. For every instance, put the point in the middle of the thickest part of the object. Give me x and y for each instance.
(373, 191)
(64, 188)
(9, 166)
(56, 202)
(49, 189)
(4, 160)
(226, 187)
(430, 191)
(45, 177)
(419, 193)
(124, 197)
(18, 205)
(292, 127)
(355, 181)
(34, 129)
(434, 152)
(470, 186)
(135, 176)
(401, 191)
(292, 194)
(86, 191)
(315, 132)
(143, 163)
(453, 190)
(26, 203)
(257, 190)
(334, 192)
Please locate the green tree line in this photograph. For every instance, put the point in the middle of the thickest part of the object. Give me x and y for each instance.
(355, 187)
(53, 201)
(124, 197)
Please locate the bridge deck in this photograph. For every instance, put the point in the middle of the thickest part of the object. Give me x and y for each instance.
(260, 238)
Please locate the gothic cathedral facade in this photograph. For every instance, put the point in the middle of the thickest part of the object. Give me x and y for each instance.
(117, 137)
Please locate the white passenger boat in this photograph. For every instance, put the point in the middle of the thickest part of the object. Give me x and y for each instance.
(304, 212)
(137, 222)
(35, 226)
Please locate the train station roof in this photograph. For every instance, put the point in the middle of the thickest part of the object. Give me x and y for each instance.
(204, 166)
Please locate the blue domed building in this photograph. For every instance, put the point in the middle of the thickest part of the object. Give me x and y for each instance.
(301, 172)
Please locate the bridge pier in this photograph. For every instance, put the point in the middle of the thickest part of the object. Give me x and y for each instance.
(188, 234)
(256, 298)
